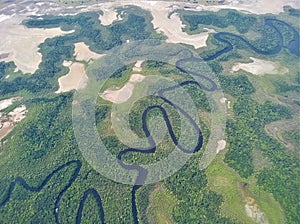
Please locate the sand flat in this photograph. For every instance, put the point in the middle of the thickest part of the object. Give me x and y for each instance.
(83, 53)
(173, 30)
(75, 79)
(172, 27)
(122, 95)
(260, 67)
(3, 17)
(21, 43)
(108, 17)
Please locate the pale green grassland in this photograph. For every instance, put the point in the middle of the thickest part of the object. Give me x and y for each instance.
(225, 181)
(162, 203)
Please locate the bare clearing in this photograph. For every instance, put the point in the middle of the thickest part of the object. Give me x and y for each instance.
(223, 100)
(21, 43)
(252, 209)
(122, 95)
(138, 66)
(221, 146)
(261, 67)
(18, 114)
(75, 79)
(8, 102)
(8, 121)
(5, 129)
(83, 52)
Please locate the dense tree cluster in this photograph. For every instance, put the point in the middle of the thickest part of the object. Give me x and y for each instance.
(245, 132)
(197, 203)
(242, 22)
(291, 11)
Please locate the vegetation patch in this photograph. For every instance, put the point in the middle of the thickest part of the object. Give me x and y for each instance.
(161, 206)
(225, 181)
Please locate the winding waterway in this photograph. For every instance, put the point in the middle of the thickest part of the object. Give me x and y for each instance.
(97, 197)
(142, 172)
(25, 185)
(293, 48)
